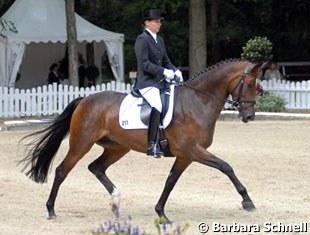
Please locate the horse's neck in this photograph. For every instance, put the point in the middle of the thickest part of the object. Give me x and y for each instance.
(211, 87)
(205, 99)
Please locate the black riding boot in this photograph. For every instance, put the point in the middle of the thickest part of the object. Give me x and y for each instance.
(153, 148)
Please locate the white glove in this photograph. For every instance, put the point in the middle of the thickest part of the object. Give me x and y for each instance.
(178, 74)
(169, 74)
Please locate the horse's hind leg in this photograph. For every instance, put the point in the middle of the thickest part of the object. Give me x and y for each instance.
(75, 153)
(112, 153)
(207, 158)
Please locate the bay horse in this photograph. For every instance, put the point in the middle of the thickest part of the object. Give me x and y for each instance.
(94, 120)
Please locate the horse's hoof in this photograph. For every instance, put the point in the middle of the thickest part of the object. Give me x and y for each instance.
(164, 220)
(248, 205)
(51, 217)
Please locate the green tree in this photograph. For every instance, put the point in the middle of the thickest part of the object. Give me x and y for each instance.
(290, 20)
(230, 24)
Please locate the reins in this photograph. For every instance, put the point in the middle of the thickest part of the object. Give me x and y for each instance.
(235, 103)
(232, 102)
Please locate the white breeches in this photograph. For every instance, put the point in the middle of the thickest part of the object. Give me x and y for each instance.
(152, 96)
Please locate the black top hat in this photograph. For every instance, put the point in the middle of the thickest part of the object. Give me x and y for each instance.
(152, 14)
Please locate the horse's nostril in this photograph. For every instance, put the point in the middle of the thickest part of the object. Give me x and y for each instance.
(250, 117)
(246, 118)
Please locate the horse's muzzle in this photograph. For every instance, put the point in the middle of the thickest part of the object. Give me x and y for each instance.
(247, 116)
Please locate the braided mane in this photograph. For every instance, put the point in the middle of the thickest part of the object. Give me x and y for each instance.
(212, 67)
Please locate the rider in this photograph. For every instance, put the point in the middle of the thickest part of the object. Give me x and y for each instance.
(153, 67)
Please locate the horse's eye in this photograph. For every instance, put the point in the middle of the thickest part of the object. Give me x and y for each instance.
(250, 85)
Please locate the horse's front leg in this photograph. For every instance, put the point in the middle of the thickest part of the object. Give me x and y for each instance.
(202, 156)
(177, 169)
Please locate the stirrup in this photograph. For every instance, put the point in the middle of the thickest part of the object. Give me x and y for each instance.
(154, 151)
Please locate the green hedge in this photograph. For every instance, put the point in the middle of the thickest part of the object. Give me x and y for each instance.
(270, 102)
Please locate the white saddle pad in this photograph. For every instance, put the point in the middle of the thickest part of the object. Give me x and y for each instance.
(129, 112)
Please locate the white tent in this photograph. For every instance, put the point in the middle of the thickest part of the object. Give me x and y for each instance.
(40, 41)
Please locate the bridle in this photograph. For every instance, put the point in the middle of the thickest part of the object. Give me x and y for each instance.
(234, 102)
(240, 84)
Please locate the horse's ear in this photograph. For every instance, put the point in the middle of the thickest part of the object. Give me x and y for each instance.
(261, 66)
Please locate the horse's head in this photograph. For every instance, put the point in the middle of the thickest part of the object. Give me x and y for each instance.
(243, 88)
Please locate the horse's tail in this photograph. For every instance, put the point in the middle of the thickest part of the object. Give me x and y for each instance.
(46, 144)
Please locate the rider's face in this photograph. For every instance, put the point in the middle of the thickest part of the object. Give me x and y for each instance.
(153, 25)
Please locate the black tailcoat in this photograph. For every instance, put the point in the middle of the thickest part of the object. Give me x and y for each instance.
(152, 59)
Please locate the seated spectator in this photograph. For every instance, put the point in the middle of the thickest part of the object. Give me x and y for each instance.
(53, 75)
(273, 72)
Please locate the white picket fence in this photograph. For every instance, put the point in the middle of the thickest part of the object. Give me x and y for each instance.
(296, 94)
(52, 99)
(47, 100)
